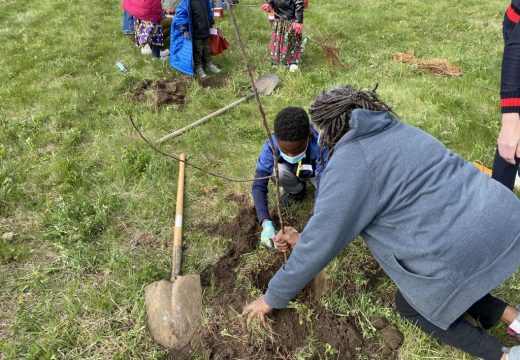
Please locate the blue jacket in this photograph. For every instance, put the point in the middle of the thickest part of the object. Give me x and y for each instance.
(444, 232)
(181, 49)
(265, 167)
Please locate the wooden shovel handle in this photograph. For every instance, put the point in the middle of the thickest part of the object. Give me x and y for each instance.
(179, 211)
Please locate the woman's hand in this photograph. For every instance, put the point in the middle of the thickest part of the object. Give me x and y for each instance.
(257, 308)
(286, 241)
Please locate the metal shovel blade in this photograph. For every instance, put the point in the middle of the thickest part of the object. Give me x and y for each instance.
(173, 310)
(266, 83)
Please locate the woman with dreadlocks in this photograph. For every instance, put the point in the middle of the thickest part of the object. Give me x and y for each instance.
(444, 232)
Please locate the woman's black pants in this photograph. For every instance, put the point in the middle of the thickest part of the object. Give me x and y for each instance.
(504, 172)
(461, 334)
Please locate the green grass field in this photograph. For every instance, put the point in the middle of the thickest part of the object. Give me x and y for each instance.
(91, 206)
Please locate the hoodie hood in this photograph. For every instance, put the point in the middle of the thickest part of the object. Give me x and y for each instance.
(365, 123)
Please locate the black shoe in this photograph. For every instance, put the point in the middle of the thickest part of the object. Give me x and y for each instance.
(288, 199)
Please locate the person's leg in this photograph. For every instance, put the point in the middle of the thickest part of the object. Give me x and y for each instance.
(460, 334)
(197, 57)
(288, 181)
(488, 311)
(128, 23)
(504, 172)
(206, 58)
(156, 51)
(312, 180)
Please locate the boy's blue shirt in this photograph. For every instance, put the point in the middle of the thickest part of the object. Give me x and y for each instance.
(265, 167)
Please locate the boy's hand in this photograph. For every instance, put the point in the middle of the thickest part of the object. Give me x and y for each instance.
(186, 35)
(297, 27)
(286, 241)
(268, 232)
(267, 8)
(257, 308)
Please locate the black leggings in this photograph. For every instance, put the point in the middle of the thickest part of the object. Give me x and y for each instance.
(505, 172)
(461, 334)
(156, 51)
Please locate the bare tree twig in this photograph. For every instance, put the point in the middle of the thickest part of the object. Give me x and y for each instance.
(191, 164)
(262, 113)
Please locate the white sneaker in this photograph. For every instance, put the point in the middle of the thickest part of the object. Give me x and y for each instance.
(164, 53)
(146, 50)
(517, 182)
(199, 72)
(213, 68)
(293, 68)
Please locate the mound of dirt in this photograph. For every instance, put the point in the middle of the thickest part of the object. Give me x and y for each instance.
(225, 336)
(435, 66)
(160, 92)
(213, 81)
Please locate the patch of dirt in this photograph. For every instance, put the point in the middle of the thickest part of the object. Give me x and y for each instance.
(435, 66)
(213, 81)
(160, 92)
(225, 336)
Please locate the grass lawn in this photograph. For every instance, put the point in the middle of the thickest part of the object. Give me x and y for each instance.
(91, 206)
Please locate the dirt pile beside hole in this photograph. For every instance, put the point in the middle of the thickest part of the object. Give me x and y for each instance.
(157, 93)
(224, 335)
(434, 66)
(213, 82)
(244, 230)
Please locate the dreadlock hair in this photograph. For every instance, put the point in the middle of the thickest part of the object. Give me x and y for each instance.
(331, 111)
(291, 124)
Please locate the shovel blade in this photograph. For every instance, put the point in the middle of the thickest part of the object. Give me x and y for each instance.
(173, 310)
(266, 83)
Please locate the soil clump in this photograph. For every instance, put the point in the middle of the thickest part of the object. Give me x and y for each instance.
(303, 327)
(157, 93)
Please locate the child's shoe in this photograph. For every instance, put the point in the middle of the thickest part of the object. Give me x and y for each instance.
(164, 53)
(199, 72)
(293, 68)
(146, 50)
(213, 68)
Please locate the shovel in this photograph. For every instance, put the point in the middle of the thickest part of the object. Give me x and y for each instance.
(173, 306)
(265, 85)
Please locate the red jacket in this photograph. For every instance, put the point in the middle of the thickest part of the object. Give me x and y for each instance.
(148, 10)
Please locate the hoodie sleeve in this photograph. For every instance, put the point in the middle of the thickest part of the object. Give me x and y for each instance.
(346, 204)
(510, 83)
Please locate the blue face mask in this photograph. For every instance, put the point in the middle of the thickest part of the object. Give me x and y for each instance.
(294, 159)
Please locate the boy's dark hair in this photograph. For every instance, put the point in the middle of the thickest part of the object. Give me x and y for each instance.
(291, 124)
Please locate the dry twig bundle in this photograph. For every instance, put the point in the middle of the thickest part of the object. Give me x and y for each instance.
(434, 66)
(329, 46)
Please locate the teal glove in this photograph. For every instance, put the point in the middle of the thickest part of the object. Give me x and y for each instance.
(268, 233)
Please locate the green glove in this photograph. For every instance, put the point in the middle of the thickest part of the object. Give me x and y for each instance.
(268, 232)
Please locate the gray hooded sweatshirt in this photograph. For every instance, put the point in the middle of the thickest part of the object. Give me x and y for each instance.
(443, 231)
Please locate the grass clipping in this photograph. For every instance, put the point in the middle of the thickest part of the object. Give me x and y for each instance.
(434, 66)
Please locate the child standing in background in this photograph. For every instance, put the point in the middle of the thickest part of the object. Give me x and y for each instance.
(190, 38)
(147, 25)
(286, 34)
